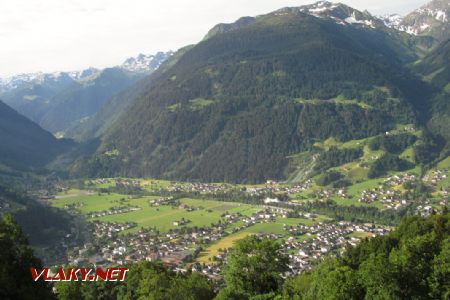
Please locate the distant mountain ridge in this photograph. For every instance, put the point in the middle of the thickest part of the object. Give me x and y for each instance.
(431, 19)
(59, 100)
(140, 63)
(145, 63)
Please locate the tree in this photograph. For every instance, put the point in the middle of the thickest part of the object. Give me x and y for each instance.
(255, 267)
(333, 281)
(16, 259)
(296, 288)
(148, 280)
(439, 281)
(193, 287)
(409, 263)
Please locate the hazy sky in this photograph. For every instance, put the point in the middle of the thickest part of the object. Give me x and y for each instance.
(51, 35)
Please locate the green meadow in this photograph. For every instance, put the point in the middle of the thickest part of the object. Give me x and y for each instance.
(160, 217)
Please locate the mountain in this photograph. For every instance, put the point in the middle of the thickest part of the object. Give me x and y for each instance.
(431, 19)
(95, 125)
(84, 98)
(46, 79)
(235, 106)
(60, 100)
(145, 63)
(337, 12)
(435, 67)
(24, 144)
(391, 20)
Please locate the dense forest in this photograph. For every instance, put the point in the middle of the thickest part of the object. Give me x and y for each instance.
(234, 106)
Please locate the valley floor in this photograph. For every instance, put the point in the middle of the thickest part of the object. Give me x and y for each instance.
(193, 225)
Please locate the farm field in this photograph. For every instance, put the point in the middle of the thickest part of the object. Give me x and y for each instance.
(160, 217)
(89, 202)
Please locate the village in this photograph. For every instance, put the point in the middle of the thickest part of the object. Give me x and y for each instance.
(180, 248)
(276, 213)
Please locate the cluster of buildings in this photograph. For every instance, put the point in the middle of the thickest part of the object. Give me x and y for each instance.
(162, 201)
(434, 177)
(273, 187)
(178, 248)
(199, 187)
(391, 199)
(110, 229)
(99, 181)
(173, 248)
(400, 179)
(323, 238)
(307, 244)
(112, 211)
(131, 185)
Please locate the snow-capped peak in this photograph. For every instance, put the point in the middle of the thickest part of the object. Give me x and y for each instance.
(13, 82)
(145, 63)
(338, 12)
(422, 21)
(391, 20)
(140, 64)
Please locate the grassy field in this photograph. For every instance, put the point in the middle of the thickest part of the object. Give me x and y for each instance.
(90, 202)
(445, 164)
(361, 235)
(162, 217)
(224, 243)
(146, 183)
(340, 100)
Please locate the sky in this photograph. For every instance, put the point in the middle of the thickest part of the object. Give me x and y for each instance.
(65, 35)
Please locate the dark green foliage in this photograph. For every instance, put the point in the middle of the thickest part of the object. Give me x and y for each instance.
(44, 226)
(429, 149)
(410, 263)
(355, 213)
(24, 145)
(328, 178)
(393, 143)
(145, 280)
(436, 68)
(388, 162)
(16, 259)
(341, 183)
(336, 157)
(254, 268)
(437, 63)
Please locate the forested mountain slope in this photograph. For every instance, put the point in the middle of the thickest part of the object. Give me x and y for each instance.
(25, 145)
(234, 106)
(435, 68)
